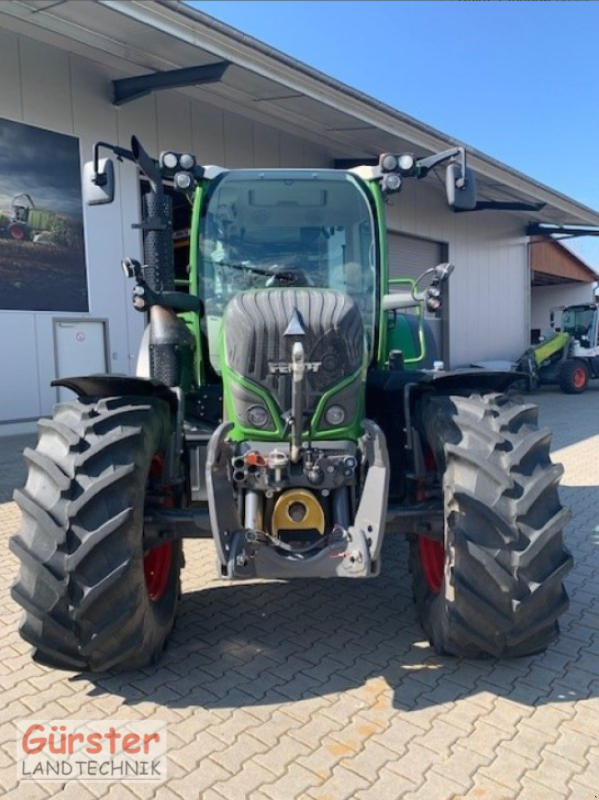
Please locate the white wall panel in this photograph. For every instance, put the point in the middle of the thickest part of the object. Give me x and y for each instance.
(173, 119)
(266, 146)
(208, 133)
(488, 301)
(291, 150)
(19, 394)
(238, 141)
(11, 104)
(46, 86)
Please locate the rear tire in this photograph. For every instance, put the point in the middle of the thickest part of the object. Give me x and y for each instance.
(574, 376)
(89, 604)
(494, 586)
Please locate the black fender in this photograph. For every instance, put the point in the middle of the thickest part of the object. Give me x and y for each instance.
(472, 380)
(392, 401)
(118, 386)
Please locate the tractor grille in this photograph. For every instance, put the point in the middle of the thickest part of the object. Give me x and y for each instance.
(258, 349)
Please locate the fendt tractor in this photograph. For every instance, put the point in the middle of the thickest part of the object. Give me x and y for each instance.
(283, 405)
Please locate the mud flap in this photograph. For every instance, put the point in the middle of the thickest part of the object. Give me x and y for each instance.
(224, 517)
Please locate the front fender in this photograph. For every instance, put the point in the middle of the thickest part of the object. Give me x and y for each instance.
(473, 380)
(118, 386)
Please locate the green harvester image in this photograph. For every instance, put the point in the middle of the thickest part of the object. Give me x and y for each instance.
(289, 404)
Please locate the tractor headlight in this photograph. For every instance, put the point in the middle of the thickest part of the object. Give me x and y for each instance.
(406, 163)
(391, 183)
(388, 162)
(335, 415)
(433, 299)
(170, 160)
(183, 180)
(187, 161)
(257, 416)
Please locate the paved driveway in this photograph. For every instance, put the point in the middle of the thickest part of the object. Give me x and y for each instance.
(326, 690)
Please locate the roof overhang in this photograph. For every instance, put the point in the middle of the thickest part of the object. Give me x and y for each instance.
(134, 38)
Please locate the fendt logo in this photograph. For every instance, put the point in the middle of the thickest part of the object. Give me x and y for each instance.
(282, 368)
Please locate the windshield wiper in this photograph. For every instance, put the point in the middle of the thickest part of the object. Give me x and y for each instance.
(244, 266)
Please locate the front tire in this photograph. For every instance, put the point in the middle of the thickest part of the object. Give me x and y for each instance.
(494, 585)
(94, 599)
(574, 376)
(18, 232)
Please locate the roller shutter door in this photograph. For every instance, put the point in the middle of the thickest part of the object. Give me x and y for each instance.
(409, 257)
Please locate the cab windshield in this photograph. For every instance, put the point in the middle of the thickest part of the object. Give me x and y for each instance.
(578, 320)
(285, 228)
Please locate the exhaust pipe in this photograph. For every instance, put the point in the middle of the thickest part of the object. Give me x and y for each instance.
(147, 166)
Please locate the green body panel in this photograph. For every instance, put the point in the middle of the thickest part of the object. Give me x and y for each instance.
(550, 347)
(382, 352)
(39, 220)
(193, 320)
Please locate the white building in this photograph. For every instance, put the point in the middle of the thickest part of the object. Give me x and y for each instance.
(59, 61)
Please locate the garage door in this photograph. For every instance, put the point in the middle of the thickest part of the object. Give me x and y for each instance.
(409, 257)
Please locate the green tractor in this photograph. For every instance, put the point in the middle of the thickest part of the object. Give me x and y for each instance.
(569, 358)
(283, 407)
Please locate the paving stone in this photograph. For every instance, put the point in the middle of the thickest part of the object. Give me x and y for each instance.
(435, 785)
(485, 738)
(343, 784)
(508, 768)
(293, 784)
(239, 753)
(556, 773)
(389, 786)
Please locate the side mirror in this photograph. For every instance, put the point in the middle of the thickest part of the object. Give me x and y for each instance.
(460, 188)
(98, 186)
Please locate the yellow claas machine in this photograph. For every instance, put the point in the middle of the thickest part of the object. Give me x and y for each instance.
(569, 358)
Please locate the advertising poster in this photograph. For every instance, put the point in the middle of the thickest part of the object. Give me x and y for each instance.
(42, 254)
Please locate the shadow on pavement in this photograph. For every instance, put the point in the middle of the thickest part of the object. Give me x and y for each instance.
(271, 643)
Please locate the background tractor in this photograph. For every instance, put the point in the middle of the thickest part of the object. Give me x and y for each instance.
(282, 408)
(25, 219)
(569, 358)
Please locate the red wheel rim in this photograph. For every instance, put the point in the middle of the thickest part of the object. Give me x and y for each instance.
(579, 378)
(157, 567)
(157, 562)
(432, 559)
(17, 233)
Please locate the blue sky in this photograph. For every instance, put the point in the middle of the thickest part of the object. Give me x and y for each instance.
(515, 80)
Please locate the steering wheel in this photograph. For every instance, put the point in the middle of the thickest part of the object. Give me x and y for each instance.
(286, 276)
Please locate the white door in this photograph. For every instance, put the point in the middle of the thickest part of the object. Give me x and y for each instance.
(80, 350)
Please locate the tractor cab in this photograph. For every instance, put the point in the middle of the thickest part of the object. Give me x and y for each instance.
(581, 322)
(286, 229)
